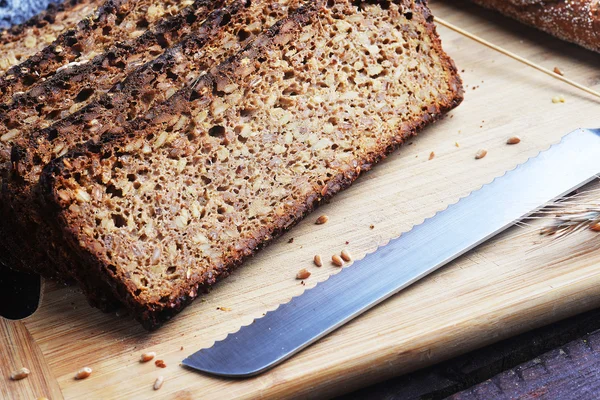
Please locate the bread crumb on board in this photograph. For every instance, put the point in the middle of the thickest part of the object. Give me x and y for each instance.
(337, 261)
(480, 154)
(317, 260)
(83, 373)
(431, 155)
(158, 382)
(147, 356)
(224, 308)
(19, 374)
(322, 220)
(513, 140)
(346, 256)
(303, 274)
(160, 364)
(558, 71)
(558, 99)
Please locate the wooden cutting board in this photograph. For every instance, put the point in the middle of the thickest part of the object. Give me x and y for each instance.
(513, 283)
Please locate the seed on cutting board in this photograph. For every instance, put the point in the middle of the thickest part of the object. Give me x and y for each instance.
(147, 356)
(431, 155)
(317, 260)
(322, 219)
(480, 154)
(19, 374)
(513, 140)
(337, 261)
(595, 227)
(303, 274)
(159, 382)
(558, 71)
(160, 364)
(83, 373)
(346, 255)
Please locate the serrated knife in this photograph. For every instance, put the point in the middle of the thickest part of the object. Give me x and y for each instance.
(438, 240)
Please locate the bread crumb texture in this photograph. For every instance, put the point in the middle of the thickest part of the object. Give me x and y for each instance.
(203, 181)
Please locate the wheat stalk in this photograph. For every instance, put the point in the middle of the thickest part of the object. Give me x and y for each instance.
(573, 214)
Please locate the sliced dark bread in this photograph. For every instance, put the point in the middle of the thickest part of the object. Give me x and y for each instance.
(113, 22)
(222, 34)
(576, 21)
(180, 197)
(73, 87)
(22, 41)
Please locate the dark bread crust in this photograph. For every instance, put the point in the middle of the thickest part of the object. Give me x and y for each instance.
(153, 313)
(576, 21)
(93, 34)
(53, 99)
(124, 101)
(99, 75)
(53, 13)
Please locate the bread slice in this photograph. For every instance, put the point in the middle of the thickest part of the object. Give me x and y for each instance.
(181, 196)
(22, 41)
(72, 88)
(113, 22)
(222, 34)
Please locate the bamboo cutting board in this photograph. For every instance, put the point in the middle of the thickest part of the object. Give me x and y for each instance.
(513, 283)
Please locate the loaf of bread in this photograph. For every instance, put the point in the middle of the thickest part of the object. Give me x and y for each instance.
(173, 201)
(221, 34)
(22, 41)
(576, 21)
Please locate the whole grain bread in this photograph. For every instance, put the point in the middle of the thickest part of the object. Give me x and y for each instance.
(576, 21)
(113, 22)
(22, 41)
(173, 201)
(222, 33)
(73, 87)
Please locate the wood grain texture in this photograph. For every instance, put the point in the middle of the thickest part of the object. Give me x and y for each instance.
(509, 285)
(568, 372)
(21, 350)
(468, 370)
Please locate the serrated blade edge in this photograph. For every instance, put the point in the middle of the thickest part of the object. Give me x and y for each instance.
(438, 240)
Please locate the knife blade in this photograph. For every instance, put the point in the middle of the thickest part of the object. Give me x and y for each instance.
(440, 239)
